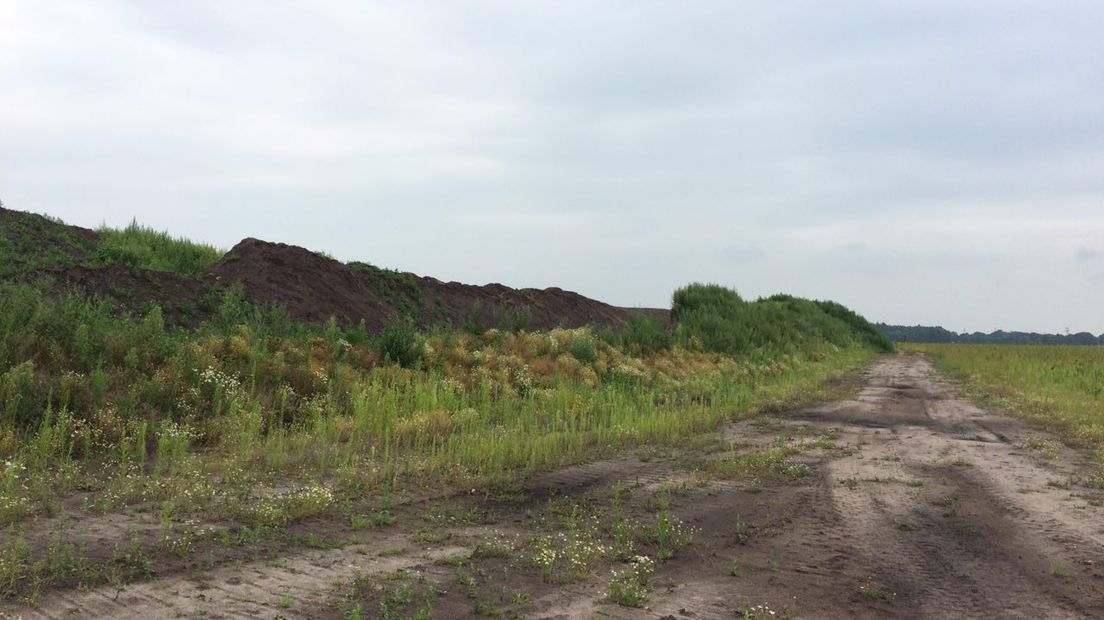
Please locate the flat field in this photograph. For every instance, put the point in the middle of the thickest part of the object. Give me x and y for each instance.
(1058, 388)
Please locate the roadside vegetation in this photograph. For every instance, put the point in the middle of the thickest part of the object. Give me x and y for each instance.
(1057, 388)
(258, 422)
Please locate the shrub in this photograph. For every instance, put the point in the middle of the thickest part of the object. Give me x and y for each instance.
(644, 334)
(718, 320)
(582, 348)
(401, 344)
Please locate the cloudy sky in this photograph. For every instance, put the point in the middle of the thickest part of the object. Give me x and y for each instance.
(921, 161)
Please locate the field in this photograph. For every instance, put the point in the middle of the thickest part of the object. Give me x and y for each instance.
(1057, 388)
(178, 442)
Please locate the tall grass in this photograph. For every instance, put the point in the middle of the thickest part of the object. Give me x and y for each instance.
(253, 392)
(1056, 387)
(147, 248)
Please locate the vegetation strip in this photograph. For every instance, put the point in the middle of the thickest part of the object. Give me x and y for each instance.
(253, 424)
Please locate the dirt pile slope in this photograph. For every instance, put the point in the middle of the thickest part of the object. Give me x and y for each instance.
(315, 287)
(311, 286)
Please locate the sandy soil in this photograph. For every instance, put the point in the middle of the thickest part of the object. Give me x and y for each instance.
(929, 507)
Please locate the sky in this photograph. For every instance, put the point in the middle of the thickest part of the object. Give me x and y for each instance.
(924, 162)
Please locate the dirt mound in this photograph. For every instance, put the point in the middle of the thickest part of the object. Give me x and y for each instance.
(312, 287)
(495, 305)
(180, 298)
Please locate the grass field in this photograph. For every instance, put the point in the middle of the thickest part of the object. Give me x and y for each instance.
(1058, 388)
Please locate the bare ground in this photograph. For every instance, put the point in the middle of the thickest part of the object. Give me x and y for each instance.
(927, 507)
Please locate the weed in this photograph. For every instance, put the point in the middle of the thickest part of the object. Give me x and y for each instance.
(397, 599)
(430, 536)
(875, 591)
(758, 612)
(741, 531)
(668, 533)
(569, 555)
(630, 587)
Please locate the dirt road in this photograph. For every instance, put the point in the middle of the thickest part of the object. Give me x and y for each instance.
(924, 506)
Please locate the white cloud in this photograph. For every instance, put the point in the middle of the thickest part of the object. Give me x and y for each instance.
(897, 156)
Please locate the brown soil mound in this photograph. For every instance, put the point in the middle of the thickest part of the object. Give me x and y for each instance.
(312, 287)
(315, 288)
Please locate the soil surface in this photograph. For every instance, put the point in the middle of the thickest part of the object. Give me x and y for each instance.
(314, 287)
(925, 507)
(311, 286)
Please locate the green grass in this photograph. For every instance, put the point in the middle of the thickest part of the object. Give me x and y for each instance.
(98, 396)
(718, 319)
(146, 248)
(31, 244)
(1059, 388)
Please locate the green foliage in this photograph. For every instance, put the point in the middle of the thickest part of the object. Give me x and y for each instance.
(393, 284)
(644, 334)
(399, 342)
(865, 330)
(29, 243)
(514, 318)
(145, 248)
(582, 348)
(19, 396)
(630, 587)
(668, 533)
(719, 320)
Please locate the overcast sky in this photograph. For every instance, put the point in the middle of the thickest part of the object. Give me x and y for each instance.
(922, 162)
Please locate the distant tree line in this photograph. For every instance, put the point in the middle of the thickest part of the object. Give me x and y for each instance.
(921, 333)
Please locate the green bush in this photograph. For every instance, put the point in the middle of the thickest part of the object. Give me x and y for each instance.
(717, 319)
(514, 318)
(582, 348)
(400, 343)
(644, 334)
(860, 325)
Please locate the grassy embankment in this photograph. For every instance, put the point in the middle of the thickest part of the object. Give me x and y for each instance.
(29, 244)
(1057, 388)
(260, 420)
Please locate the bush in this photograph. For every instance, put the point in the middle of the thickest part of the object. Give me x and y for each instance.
(400, 343)
(860, 325)
(582, 348)
(643, 334)
(717, 319)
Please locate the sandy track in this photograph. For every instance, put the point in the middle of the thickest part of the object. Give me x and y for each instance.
(952, 512)
(937, 510)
